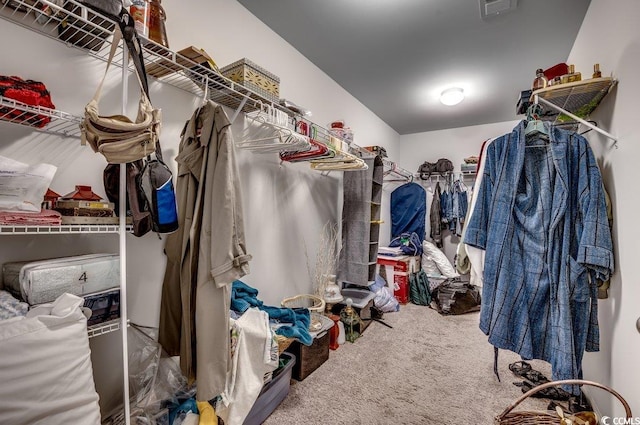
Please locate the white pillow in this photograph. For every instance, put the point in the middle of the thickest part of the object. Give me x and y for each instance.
(433, 253)
(45, 367)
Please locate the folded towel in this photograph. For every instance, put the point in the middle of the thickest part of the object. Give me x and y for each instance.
(243, 297)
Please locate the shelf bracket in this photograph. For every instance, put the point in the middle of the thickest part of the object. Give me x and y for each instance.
(538, 99)
(237, 112)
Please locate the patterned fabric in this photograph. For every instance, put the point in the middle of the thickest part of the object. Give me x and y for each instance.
(541, 217)
(11, 307)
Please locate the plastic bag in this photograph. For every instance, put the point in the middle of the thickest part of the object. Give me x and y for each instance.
(384, 298)
(155, 380)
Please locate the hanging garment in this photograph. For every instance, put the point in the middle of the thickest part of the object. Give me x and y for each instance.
(408, 210)
(206, 254)
(435, 217)
(475, 255)
(460, 206)
(541, 218)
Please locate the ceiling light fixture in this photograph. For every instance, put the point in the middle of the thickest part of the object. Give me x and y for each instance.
(452, 96)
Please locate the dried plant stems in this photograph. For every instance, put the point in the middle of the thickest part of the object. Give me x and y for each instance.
(326, 258)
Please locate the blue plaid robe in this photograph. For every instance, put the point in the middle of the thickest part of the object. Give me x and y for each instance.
(541, 218)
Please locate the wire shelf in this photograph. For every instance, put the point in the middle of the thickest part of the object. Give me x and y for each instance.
(62, 229)
(81, 27)
(39, 118)
(579, 98)
(103, 328)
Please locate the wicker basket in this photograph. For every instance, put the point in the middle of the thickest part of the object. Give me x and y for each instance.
(313, 303)
(310, 302)
(283, 343)
(508, 417)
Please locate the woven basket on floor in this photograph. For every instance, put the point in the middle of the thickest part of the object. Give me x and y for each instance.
(547, 418)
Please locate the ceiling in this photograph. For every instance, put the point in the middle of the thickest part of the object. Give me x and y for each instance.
(397, 56)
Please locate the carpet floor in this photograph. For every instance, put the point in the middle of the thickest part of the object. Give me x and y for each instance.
(428, 369)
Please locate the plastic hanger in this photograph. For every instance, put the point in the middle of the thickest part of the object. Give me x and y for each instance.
(534, 125)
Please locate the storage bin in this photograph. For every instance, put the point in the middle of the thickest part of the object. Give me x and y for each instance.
(309, 358)
(273, 392)
(104, 306)
(254, 78)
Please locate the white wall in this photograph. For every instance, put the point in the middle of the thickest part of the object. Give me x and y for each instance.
(610, 36)
(285, 205)
(454, 144)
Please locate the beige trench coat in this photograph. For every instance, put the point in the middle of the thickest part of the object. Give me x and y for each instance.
(206, 254)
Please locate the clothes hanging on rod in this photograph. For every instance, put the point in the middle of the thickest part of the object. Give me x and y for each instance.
(541, 218)
(454, 207)
(206, 254)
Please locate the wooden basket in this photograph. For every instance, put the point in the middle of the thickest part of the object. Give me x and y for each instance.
(508, 417)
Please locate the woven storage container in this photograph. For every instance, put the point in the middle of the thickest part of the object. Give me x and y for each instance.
(509, 417)
(309, 358)
(254, 78)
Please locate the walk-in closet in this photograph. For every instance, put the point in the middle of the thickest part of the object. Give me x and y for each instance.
(385, 212)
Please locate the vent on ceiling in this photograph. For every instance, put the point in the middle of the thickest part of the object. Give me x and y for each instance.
(489, 8)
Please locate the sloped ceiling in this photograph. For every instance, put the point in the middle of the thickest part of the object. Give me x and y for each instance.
(396, 56)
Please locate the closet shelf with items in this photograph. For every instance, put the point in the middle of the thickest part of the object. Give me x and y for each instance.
(574, 101)
(79, 26)
(447, 177)
(40, 118)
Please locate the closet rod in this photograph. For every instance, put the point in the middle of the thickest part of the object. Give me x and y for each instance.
(578, 119)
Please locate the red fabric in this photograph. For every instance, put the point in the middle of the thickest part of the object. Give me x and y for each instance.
(32, 93)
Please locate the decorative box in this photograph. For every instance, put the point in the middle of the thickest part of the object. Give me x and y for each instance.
(254, 78)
